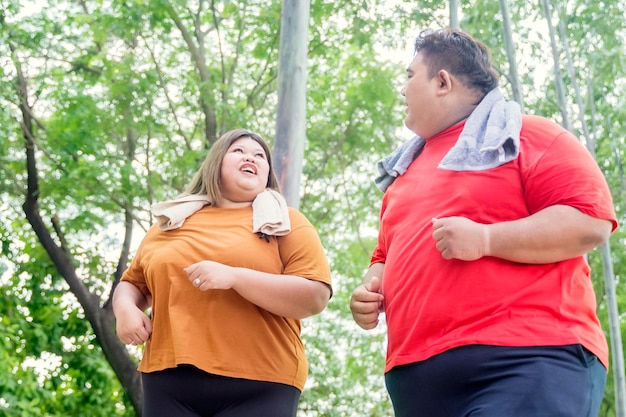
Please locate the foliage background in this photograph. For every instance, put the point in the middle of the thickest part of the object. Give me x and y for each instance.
(126, 97)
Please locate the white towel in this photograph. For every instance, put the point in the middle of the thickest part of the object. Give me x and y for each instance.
(270, 214)
(172, 214)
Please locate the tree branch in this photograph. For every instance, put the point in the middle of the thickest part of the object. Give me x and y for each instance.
(210, 122)
(102, 321)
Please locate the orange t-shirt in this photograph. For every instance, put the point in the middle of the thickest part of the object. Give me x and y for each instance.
(219, 331)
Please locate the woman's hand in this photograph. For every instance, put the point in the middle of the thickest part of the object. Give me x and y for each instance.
(133, 326)
(209, 275)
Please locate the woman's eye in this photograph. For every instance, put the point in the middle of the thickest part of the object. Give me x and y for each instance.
(239, 150)
(260, 155)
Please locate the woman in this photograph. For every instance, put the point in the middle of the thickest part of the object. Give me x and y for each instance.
(224, 339)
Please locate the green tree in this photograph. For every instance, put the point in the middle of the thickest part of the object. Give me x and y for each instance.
(109, 107)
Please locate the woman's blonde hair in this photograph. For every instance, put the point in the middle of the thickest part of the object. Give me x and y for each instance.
(207, 179)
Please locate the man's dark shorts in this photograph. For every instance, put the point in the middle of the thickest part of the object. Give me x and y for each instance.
(496, 381)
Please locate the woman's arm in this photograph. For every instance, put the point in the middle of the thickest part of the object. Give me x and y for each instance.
(284, 295)
(129, 304)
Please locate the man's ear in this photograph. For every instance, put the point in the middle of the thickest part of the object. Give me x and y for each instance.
(444, 81)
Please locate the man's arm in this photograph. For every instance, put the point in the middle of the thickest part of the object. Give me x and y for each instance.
(366, 302)
(553, 234)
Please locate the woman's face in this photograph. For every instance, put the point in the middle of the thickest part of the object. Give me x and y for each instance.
(244, 173)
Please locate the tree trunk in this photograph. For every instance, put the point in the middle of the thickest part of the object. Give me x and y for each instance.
(510, 53)
(454, 14)
(617, 351)
(288, 150)
(558, 79)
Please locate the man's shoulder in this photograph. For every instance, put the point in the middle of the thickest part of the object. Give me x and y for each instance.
(541, 132)
(531, 122)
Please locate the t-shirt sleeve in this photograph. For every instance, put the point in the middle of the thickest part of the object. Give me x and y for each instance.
(567, 174)
(301, 250)
(379, 254)
(134, 274)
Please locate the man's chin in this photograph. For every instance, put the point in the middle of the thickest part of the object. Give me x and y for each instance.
(408, 125)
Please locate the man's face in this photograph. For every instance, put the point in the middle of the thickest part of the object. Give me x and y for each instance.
(419, 98)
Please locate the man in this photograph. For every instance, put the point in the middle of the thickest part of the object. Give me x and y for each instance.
(485, 220)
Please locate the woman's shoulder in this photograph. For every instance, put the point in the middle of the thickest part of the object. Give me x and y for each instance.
(297, 218)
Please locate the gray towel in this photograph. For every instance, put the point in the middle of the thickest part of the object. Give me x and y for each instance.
(397, 162)
(489, 139)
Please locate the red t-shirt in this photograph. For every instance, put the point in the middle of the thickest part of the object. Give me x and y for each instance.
(433, 304)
